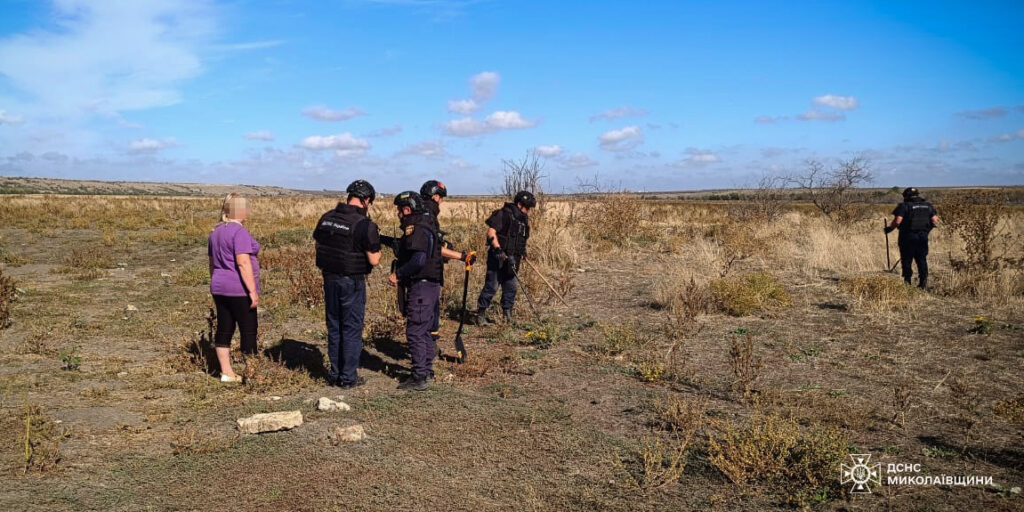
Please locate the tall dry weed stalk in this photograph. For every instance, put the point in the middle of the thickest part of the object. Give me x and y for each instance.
(974, 216)
(746, 368)
(8, 293)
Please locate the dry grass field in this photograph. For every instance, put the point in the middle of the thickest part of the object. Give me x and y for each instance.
(710, 358)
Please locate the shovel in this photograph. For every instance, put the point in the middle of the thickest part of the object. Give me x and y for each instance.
(460, 347)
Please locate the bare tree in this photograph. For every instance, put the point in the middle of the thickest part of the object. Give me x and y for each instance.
(767, 199)
(523, 174)
(833, 191)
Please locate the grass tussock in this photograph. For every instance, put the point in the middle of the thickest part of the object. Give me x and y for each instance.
(86, 263)
(1011, 409)
(774, 451)
(8, 294)
(264, 375)
(294, 267)
(880, 292)
(749, 294)
(193, 442)
(35, 439)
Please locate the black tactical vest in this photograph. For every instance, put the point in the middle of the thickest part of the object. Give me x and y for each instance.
(515, 232)
(919, 215)
(433, 269)
(336, 250)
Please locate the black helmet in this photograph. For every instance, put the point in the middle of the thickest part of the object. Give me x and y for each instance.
(433, 187)
(910, 192)
(410, 199)
(526, 199)
(361, 189)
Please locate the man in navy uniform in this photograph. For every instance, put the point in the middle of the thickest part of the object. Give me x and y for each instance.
(418, 272)
(508, 229)
(347, 249)
(915, 218)
(433, 192)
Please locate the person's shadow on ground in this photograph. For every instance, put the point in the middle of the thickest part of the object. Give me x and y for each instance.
(299, 355)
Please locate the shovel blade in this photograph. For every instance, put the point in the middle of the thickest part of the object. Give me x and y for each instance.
(460, 349)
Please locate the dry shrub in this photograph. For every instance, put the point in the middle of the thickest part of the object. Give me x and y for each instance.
(974, 216)
(683, 414)
(997, 285)
(966, 401)
(196, 352)
(1011, 408)
(86, 262)
(681, 296)
(818, 406)
(618, 220)
(660, 463)
(745, 367)
(773, 450)
(748, 294)
(38, 439)
(902, 399)
(8, 293)
(879, 292)
(264, 374)
(297, 265)
(191, 442)
(617, 339)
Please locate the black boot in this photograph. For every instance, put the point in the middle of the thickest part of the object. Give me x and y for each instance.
(480, 318)
(506, 314)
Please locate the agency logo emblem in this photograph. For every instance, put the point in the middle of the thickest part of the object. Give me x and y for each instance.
(860, 474)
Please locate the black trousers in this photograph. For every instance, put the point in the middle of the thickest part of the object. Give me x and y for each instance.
(914, 248)
(232, 311)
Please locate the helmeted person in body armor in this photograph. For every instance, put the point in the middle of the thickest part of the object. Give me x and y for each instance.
(347, 249)
(508, 229)
(433, 192)
(418, 273)
(915, 218)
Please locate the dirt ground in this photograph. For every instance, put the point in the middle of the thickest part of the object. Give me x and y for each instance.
(522, 425)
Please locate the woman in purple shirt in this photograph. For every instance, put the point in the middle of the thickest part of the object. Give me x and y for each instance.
(234, 283)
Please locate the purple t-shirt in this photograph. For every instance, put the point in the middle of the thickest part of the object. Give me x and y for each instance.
(226, 241)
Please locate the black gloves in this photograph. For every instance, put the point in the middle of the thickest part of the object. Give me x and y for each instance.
(502, 257)
(468, 258)
(888, 229)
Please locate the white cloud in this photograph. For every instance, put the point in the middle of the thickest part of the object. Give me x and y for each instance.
(837, 102)
(697, 158)
(343, 144)
(985, 113)
(386, 132)
(465, 127)
(617, 113)
(819, 115)
(9, 119)
(147, 145)
(507, 120)
(322, 113)
(499, 120)
(1007, 137)
(427, 149)
(550, 151)
(463, 106)
(621, 140)
(107, 57)
(485, 85)
(459, 163)
(251, 45)
(577, 161)
(259, 135)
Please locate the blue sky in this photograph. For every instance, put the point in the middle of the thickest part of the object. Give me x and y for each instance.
(643, 95)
